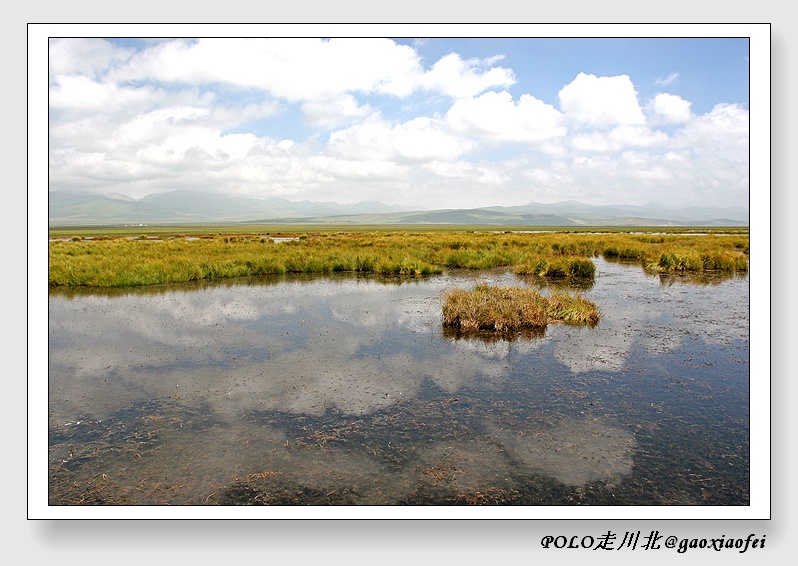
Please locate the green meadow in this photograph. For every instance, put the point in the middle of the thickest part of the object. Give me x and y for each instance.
(132, 257)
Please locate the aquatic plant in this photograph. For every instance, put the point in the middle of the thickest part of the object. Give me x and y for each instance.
(699, 261)
(558, 266)
(572, 309)
(503, 309)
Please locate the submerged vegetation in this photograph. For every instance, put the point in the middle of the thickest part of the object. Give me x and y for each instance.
(503, 309)
(123, 260)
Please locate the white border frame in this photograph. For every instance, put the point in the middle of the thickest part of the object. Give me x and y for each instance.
(760, 284)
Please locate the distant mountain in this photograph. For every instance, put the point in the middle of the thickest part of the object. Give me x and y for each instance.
(661, 214)
(86, 208)
(78, 208)
(494, 217)
(187, 207)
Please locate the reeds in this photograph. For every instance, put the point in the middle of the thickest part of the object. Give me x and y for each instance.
(507, 309)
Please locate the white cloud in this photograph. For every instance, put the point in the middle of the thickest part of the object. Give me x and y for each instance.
(335, 169)
(308, 69)
(618, 139)
(425, 138)
(644, 166)
(601, 101)
(670, 109)
(670, 79)
(296, 69)
(368, 141)
(330, 113)
(83, 56)
(102, 116)
(459, 78)
(495, 116)
(83, 94)
(198, 114)
(722, 133)
(702, 160)
(416, 140)
(466, 171)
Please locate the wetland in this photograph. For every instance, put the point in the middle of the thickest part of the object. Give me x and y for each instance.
(347, 388)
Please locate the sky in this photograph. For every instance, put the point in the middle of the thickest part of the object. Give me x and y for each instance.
(420, 123)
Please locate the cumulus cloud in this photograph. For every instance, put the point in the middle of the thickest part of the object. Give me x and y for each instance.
(296, 69)
(601, 101)
(670, 108)
(494, 115)
(369, 118)
(303, 69)
(457, 77)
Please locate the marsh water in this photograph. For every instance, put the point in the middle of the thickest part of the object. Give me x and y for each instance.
(347, 390)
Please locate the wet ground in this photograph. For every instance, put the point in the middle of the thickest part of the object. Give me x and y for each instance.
(348, 391)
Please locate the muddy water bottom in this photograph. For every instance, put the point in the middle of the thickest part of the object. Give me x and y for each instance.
(348, 391)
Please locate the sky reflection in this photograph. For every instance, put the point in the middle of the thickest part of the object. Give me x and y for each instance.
(354, 345)
(264, 367)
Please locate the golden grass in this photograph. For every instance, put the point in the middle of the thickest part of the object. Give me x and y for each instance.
(133, 260)
(506, 309)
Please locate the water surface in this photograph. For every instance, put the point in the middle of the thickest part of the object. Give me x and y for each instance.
(348, 391)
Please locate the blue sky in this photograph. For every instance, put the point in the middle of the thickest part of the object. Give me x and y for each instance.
(704, 71)
(415, 122)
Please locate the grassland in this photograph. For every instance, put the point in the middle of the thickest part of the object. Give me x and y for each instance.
(136, 256)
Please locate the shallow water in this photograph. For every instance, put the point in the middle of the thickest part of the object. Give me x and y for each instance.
(348, 391)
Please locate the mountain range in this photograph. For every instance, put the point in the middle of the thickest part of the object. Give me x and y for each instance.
(72, 208)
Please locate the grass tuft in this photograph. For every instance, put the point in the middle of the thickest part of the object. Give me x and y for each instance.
(558, 266)
(506, 309)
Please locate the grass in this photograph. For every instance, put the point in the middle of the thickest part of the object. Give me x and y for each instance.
(507, 309)
(137, 258)
(558, 266)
